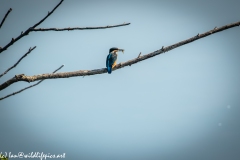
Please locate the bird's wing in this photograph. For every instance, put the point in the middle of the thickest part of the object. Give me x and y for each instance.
(111, 58)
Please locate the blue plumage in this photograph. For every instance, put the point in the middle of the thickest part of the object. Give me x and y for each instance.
(109, 63)
(112, 59)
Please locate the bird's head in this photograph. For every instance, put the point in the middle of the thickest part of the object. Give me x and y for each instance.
(115, 49)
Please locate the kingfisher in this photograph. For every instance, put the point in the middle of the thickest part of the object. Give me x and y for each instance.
(112, 58)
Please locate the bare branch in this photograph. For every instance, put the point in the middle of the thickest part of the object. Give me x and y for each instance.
(139, 54)
(23, 77)
(28, 86)
(28, 30)
(49, 13)
(5, 17)
(58, 68)
(78, 28)
(33, 28)
(29, 51)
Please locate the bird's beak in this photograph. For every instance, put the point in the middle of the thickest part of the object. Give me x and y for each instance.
(122, 50)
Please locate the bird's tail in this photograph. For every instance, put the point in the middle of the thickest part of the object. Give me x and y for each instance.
(109, 69)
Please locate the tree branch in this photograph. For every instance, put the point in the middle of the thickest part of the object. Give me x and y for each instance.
(5, 17)
(33, 28)
(23, 77)
(49, 13)
(29, 51)
(28, 86)
(29, 29)
(78, 28)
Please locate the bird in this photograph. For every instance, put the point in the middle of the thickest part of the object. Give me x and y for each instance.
(112, 58)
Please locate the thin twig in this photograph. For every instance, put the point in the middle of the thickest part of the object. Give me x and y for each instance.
(58, 68)
(28, 86)
(78, 28)
(33, 28)
(5, 17)
(49, 13)
(29, 51)
(29, 29)
(139, 54)
(25, 78)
